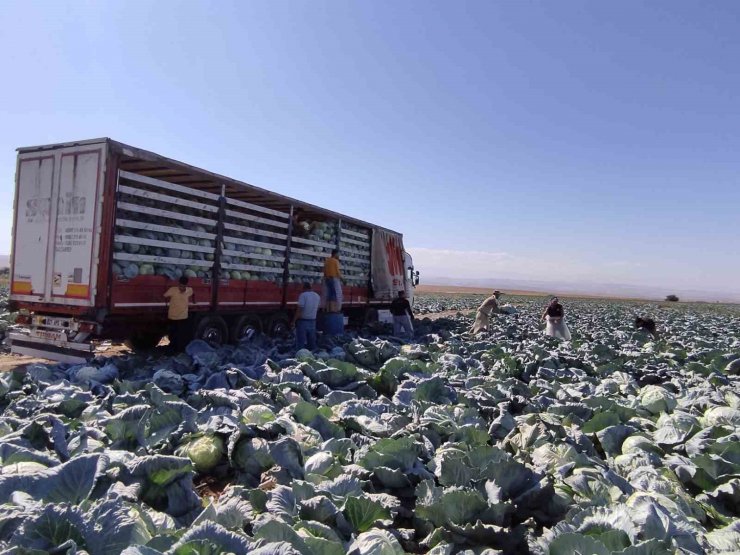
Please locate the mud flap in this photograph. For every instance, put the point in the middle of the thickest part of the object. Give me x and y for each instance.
(59, 351)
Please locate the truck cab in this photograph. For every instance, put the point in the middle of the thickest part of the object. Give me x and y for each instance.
(412, 276)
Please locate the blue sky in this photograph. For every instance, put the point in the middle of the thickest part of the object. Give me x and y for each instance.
(574, 140)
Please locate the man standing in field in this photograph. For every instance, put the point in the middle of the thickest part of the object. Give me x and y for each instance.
(402, 315)
(485, 310)
(333, 283)
(178, 299)
(304, 319)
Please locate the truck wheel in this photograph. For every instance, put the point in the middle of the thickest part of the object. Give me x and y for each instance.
(143, 340)
(278, 325)
(212, 330)
(243, 326)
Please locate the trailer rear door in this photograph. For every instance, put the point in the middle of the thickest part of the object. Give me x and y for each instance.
(56, 232)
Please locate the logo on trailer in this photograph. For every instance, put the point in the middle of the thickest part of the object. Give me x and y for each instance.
(70, 205)
(394, 254)
(38, 208)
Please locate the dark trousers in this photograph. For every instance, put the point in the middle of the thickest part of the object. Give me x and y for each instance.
(179, 335)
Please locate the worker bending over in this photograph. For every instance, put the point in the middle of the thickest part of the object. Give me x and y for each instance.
(646, 324)
(485, 310)
(554, 315)
(402, 315)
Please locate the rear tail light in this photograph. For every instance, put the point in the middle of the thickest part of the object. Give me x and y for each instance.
(23, 319)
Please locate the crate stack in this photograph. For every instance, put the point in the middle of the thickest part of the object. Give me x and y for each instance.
(354, 253)
(255, 241)
(163, 229)
(311, 245)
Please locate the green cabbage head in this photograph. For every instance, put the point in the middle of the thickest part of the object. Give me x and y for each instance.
(205, 452)
(656, 399)
(258, 415)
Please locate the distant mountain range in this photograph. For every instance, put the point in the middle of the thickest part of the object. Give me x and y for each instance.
(600, 289)
(563, 288)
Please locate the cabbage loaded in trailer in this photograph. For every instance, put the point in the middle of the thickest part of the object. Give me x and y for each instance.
(102, 229)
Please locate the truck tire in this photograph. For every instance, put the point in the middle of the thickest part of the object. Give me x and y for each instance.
(242, 325)
(143, 340)
(212, 329)
(278, 325)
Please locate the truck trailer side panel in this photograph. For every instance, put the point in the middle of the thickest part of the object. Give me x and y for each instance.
(171, 230)
(103, 229)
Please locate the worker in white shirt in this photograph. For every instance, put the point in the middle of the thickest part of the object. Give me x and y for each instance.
(304, 319)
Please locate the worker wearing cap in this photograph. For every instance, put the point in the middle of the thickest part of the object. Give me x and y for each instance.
(333, 283)
(485, 310)
(304, 319)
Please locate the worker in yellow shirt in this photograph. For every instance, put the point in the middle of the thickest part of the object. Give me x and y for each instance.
(178, 299)
(332, 283)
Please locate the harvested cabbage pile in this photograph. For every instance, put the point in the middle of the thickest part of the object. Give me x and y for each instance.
(175, 236)
(510, 442)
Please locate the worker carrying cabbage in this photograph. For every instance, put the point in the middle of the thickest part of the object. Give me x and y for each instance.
(300, 226)
(179, 299)
(485, 310)
(402, 315)
(332, 283)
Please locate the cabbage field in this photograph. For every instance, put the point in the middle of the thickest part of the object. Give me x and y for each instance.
(508, 442)
(7, 318)
(430, 303)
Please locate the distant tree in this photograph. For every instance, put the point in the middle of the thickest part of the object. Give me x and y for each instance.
(672, 298)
